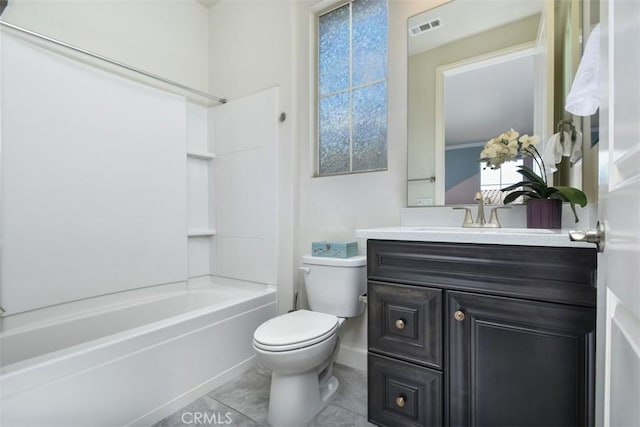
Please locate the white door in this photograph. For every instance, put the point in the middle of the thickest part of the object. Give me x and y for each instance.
(618, 385)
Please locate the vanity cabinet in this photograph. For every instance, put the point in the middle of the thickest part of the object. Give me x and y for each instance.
(480, 335)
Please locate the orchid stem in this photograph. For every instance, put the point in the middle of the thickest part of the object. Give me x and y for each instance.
(536, 155)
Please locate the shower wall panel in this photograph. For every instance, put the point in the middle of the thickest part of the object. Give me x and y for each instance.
(246, 187)
(93, 181)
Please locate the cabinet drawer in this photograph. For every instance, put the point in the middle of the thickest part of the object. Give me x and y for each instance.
(406, 322)
(403, 394)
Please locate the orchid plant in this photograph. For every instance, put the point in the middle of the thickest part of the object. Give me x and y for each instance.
(510, 146)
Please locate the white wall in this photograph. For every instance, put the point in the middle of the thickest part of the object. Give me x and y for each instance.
(258, 44)
(164, 37)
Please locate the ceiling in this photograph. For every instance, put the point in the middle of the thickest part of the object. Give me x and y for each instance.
(503, 89)
(463, 18)
(503, 96)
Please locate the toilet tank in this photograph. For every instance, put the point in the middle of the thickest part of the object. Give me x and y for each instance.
(333, 285)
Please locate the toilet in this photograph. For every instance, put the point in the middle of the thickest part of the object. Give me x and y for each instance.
(299, 347)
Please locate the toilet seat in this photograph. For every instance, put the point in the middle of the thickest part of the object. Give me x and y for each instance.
(295, 330)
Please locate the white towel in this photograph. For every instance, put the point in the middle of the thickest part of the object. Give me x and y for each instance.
(565, 143)
(554, 150)
(584, 97)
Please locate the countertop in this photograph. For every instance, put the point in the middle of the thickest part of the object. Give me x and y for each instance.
(499, 236)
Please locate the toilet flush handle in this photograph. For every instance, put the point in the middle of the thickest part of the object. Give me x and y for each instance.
(305, 270)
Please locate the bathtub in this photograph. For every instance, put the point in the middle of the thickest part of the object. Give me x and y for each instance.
(129, 362)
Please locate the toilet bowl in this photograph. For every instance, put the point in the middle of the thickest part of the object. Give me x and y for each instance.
(299, 347)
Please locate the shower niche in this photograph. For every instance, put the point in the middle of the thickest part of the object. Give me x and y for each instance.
(200, 197)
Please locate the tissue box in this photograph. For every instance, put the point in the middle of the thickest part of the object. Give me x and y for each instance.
(334, 249)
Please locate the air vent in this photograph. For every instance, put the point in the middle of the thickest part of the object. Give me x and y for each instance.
(427, 26)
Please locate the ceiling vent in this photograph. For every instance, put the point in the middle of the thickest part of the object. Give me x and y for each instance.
(427, 26)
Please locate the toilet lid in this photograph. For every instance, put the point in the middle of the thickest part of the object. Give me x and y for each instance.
(294, 330)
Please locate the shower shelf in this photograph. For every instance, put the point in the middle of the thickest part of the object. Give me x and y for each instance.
(198, 154)
(201, 232)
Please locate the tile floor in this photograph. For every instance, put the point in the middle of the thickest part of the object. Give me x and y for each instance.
(246, 398)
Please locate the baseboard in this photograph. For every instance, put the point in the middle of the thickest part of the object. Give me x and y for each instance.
(184, 399)
(353, 357)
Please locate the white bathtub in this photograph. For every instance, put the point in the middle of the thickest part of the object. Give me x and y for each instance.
(133, 363)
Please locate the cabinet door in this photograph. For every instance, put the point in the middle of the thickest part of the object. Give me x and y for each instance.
(518, 362)
(406, 322)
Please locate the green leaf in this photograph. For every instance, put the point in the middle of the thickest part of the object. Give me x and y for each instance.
(531, 175)
(549, 193)
(514, 195)
(542, 190)
(571, 195)
(514, 186)
(533, 186)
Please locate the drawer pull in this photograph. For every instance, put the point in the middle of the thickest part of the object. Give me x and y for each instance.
(400, 324)
(459, 315)
(401, 401)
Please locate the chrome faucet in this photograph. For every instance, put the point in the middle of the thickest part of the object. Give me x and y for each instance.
(481, 222)
(480, 218)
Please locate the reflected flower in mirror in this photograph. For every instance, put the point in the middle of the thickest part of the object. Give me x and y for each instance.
(507, 147)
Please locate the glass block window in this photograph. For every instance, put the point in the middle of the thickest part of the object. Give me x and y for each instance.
(499, 178)
(492, 180)
(352, 88)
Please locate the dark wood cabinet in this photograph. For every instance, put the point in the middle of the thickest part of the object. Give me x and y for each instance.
(453, 341)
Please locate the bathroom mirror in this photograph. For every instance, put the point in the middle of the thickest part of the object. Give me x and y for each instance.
(470, 78)
(477, 68)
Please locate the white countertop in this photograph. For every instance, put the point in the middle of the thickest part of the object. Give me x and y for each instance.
(499, 236)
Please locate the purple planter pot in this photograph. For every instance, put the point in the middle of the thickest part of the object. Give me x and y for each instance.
(544, 213)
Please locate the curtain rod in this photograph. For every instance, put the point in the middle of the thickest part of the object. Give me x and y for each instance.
(114, 62)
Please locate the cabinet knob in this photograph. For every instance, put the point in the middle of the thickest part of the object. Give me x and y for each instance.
(459, 315)
(400, 324)
(401, 401)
